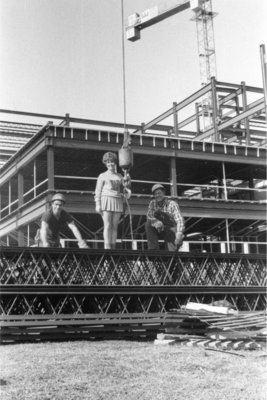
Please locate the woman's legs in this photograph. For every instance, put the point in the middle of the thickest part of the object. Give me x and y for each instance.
(115, 223)
(107, 233)
(111, 221)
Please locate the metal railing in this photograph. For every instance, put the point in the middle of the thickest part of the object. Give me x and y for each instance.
(202, 246)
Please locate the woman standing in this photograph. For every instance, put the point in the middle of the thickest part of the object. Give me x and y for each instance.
(109, 193)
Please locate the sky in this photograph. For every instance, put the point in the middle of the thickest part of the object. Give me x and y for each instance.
(65, 56)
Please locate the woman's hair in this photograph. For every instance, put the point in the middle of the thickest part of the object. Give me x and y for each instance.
(111, 157)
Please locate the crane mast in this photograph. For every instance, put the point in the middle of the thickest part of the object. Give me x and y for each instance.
(205, 38)
(203, 15)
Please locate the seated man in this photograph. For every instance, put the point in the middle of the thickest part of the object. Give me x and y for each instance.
(54, 220)
(164, 221)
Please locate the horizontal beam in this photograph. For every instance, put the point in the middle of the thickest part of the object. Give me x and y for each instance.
(259, 107)
(42, 290)
(80, 120)
(145, 20)
(178, 107)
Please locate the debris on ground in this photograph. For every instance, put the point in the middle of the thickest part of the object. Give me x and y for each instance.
(214, 326)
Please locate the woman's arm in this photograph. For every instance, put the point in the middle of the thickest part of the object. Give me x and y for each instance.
(98, 191)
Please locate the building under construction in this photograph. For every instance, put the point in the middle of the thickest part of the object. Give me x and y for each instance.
(218, 176)
(208, 150)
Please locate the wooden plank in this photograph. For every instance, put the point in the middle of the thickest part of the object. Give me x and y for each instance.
(234, 335)
(109, 328)
(185, 331)
(79, 322)
(180, 337)
(76, 336)
(79, 316)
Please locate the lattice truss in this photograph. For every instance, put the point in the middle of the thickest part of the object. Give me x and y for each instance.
(82, 281)
(114, 303)
(94, 267)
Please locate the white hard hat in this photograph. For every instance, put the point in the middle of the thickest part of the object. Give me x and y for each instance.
(59, 197)
(157, 186)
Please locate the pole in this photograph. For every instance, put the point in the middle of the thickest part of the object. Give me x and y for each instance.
(175, 120)
(224, 181)
(227, 236)
(264, 75)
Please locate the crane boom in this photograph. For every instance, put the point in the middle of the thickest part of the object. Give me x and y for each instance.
(203, 15)
(150, 17)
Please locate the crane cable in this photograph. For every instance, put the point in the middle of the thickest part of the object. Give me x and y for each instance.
(126, 134)
(123, 72)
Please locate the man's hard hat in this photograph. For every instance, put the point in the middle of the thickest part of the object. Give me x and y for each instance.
(59, 197)
(157, 186)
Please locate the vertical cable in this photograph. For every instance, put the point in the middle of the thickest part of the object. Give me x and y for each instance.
(124, 106)
(123, 70)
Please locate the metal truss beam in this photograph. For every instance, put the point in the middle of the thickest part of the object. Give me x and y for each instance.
(41, 281)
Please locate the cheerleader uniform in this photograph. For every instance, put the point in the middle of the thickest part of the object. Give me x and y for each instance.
(108, 192)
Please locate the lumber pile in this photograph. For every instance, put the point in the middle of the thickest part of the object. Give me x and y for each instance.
(27, 328)
(214, 327)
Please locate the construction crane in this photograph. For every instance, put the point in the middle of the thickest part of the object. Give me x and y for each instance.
(203, 15)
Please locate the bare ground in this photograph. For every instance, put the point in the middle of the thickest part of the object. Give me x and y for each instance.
(128, 370)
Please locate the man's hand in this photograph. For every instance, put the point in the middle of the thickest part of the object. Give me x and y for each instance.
(158, 225)
(179, 238)
(127, 193)
(82, 244)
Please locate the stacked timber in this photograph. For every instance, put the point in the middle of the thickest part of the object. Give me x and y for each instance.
(214, 327)
(43, 327)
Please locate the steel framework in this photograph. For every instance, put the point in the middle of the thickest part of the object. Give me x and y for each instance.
(63, 281)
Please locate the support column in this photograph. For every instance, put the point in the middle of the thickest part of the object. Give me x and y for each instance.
(50, 168)
(214, 109)
(251, 186)
(244, 99)
(21, 240)
(20, 188)
(9, 196)
(173, 174)
(67, 120)
(34, 178)
(227, 236)
(197, 118)
(224, 181)
(175, 120)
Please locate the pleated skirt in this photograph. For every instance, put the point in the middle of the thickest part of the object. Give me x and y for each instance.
(109, 203)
